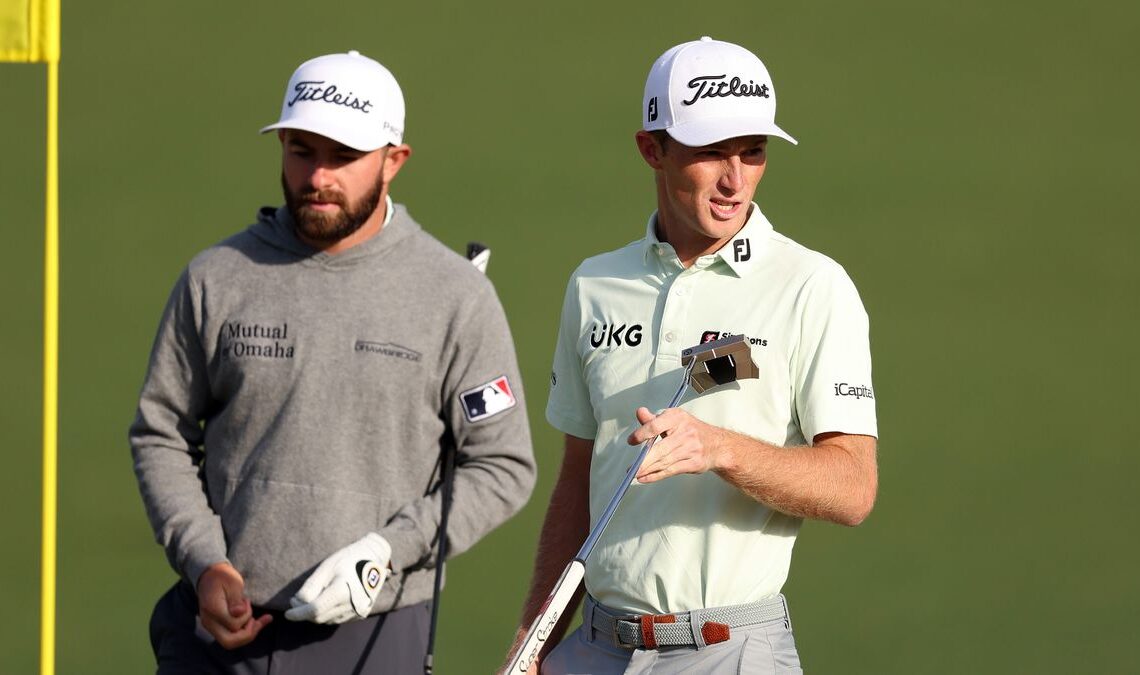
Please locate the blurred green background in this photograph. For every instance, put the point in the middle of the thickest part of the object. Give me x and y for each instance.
(972, 164)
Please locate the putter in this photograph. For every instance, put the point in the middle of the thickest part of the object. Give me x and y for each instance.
(479, 255)
(706, 366)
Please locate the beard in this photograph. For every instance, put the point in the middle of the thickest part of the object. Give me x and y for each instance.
(329, 227)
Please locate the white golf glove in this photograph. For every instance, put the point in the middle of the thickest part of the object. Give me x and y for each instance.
(344, 586)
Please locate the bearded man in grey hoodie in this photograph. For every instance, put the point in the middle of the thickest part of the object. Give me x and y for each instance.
(308, 376)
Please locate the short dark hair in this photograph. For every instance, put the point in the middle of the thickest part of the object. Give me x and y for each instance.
(663, 139)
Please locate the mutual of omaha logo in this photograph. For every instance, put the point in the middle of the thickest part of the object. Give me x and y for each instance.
(245, 340)
(388, 349)
(487, 399)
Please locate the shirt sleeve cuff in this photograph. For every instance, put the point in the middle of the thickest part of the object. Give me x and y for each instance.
(570, 425)
(405, 551)
(194, 567)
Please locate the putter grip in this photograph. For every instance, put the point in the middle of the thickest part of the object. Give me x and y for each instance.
(548, 617)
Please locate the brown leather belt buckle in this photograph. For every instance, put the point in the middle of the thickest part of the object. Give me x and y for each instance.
(714, 632)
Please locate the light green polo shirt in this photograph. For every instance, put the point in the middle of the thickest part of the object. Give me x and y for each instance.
(696, 541)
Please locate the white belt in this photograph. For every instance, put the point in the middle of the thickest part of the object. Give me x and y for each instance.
(698, 627)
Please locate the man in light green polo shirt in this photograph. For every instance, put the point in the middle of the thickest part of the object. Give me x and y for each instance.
(704, 538)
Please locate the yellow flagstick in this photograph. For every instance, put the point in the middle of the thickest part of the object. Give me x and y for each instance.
(29, 33)
(51, 375)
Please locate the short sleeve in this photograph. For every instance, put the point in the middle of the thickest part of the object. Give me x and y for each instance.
(831, 369)
(568, 407)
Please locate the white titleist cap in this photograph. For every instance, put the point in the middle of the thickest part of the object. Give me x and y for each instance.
(346, 97)
(705, 91)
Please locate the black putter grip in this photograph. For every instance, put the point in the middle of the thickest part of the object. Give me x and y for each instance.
(474, 248)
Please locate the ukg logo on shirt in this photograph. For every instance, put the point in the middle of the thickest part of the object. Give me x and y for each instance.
(615, 335)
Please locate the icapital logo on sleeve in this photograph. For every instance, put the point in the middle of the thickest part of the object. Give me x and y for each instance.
(858, 391)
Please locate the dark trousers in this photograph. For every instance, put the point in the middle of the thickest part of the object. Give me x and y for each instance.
(394, 642)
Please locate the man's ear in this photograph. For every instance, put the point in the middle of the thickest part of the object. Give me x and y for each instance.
(649, 148)
(394, 160)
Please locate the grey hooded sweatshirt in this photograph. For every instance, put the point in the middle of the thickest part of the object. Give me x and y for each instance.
(297, 400)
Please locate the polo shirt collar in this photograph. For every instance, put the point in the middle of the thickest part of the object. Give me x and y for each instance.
(388, 210)
(740, 253)
(651, 246)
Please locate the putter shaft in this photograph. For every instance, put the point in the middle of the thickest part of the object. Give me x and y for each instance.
(608, 514)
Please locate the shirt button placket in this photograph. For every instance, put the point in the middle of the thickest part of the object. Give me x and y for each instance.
(673, 321)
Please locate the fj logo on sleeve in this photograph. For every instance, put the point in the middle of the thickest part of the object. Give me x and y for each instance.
(487, 399)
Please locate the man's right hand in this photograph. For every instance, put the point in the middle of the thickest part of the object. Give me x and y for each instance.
(223, 608)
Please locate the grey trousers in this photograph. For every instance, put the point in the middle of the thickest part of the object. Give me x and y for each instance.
(768, 649)
(395, 643)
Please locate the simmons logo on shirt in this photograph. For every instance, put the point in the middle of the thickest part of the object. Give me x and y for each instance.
(712, 335)
(487, 399)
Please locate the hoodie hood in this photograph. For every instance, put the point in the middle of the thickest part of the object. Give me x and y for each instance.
(275, 227)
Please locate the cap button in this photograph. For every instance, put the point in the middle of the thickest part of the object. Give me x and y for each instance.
(353, 52)
(705, 38)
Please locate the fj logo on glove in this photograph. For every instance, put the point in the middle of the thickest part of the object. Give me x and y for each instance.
(372, 577)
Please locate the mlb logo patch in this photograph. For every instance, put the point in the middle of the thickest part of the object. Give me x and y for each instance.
(487, 399)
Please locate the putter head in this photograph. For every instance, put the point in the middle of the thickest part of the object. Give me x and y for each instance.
(720, 362)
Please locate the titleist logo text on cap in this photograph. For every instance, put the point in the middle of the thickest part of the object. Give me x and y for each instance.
(312, 91)
(708, 87)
